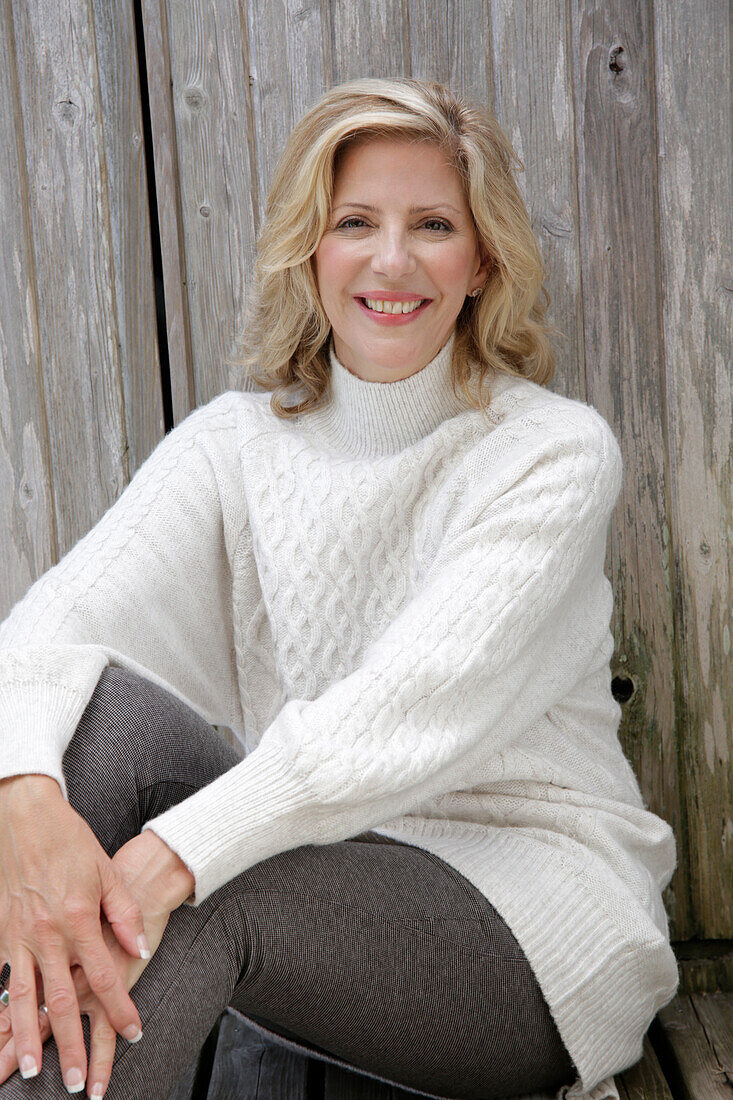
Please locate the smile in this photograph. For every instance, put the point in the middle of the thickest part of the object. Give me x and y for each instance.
(392, 313)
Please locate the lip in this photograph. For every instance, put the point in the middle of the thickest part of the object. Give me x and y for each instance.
(391, 296)
(394, 318)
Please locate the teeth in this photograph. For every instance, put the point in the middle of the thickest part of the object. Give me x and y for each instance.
(392, 307)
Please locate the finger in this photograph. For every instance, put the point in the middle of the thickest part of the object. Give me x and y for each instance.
(103, 1040)
(8, 1060)
(6, 1025)
(124, 914)
(105, 981)
(23, 1011)
(8, 1055)
(63, 1012)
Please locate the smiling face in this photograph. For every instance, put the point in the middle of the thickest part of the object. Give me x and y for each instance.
(400, 231)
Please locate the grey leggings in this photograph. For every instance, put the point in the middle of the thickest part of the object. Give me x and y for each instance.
(369, 953)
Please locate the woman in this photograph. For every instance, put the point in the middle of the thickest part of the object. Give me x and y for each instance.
(433, 864)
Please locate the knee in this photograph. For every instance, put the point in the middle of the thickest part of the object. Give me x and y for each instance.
(127, 716)
(134, 731)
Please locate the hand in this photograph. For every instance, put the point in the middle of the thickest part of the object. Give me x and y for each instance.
(103, 1037)
(56, 879)
(159, 881)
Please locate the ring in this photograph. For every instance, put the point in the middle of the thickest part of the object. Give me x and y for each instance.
(5, 1000)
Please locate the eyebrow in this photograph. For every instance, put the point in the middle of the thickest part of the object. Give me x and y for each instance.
(412, 210)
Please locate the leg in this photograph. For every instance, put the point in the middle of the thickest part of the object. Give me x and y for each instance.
(378, 953)
(384, 956)
(137, 750)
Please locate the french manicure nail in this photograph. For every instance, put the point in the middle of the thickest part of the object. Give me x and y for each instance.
(143, 946)
(74, 1080)
(28, 1067)
(132, 1034)
(97, 1092)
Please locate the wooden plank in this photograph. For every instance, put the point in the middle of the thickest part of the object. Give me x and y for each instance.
(645, 1080)
(534, 103)
(696, 235)
(249, 1067)
(168, 194)
(211, 104)
(368, 38)
(690, 1062)
(715, 1013)
(69, 208)
(28, 544)
(287, 74)
(705, 966)
(283, 1075)
(127, 194)
(615, 137)
(451, 43)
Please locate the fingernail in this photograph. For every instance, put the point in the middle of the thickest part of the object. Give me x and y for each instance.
(74, 1080)
(28, 1067)
(132, 1034)
(143, 946)
(97, 1092)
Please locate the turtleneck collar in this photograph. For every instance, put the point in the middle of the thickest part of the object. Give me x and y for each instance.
(363, 419)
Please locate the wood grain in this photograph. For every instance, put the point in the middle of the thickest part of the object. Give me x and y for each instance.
(249, 1065)
(693, 1055)
(28, 538)
(211, 105)
(168, 205)
(695, 218)
(533, 97)
(80, 358)
(623, 365)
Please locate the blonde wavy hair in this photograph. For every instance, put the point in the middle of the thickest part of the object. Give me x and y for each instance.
(286, 335)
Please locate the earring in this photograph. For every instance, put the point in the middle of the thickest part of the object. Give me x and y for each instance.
(475, 293)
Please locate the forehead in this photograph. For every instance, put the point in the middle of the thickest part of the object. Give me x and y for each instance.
(386, 168)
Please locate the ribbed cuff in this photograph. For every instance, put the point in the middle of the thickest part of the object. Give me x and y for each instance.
(255, 810)
(38, 719)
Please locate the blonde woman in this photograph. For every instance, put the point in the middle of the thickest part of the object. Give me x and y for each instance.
(385, 574)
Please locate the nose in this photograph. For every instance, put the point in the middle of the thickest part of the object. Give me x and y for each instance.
(392, 255)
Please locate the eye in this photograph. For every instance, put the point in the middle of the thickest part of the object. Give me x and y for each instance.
(347, 223)
(442, 225)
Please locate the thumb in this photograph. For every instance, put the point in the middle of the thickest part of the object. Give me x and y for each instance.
(123, 913)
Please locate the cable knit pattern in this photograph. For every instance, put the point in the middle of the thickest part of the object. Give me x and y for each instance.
(399, 606)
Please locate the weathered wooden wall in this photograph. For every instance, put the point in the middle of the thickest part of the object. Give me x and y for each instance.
(79, 372)
(621, 113)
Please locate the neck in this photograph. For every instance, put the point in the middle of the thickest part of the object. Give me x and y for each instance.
(363, 419)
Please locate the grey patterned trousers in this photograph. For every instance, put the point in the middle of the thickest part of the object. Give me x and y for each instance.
(369, 953)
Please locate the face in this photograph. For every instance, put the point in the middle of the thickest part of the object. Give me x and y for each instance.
(401, 232)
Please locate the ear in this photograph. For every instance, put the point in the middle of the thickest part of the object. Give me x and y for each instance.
(486, 263)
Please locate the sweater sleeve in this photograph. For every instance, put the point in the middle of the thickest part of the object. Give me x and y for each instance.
(147, 588)
(481, 650)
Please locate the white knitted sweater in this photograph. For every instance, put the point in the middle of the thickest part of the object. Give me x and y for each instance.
(401, 610)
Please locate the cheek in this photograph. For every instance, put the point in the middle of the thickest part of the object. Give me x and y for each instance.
(455, 269)
(331, 267)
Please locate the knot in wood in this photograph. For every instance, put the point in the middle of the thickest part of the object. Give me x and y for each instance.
(617, 60)
(622, 688)
(194, 98)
